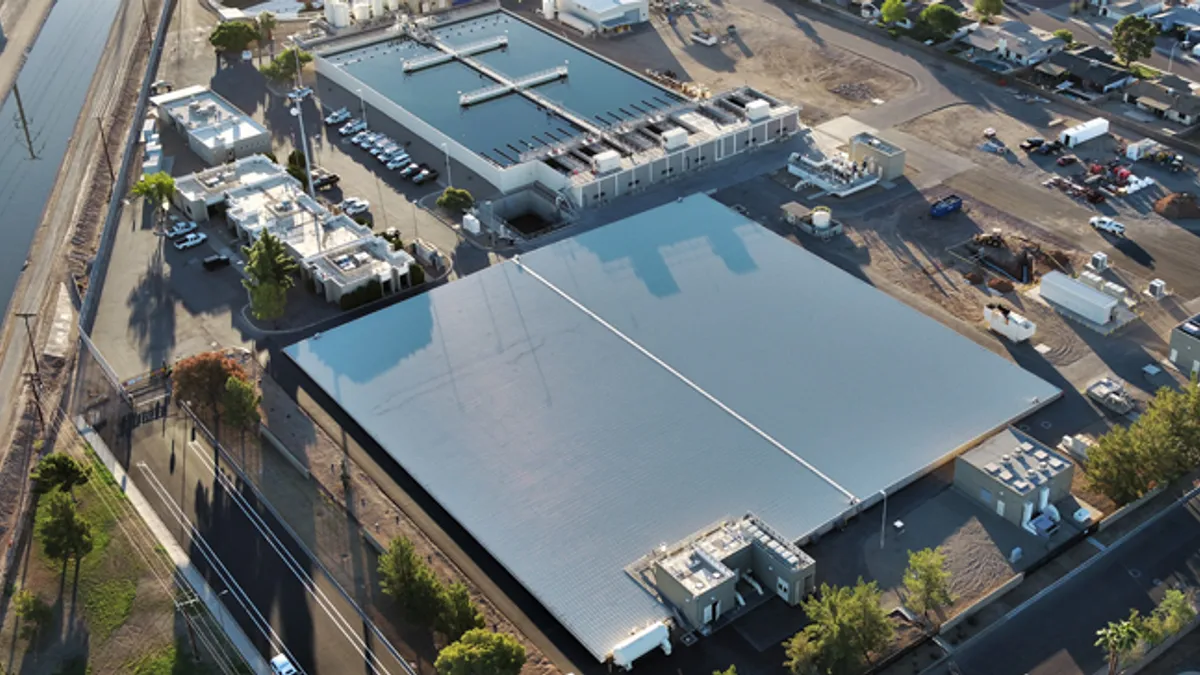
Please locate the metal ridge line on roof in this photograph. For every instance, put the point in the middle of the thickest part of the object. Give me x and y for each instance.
(516, 259)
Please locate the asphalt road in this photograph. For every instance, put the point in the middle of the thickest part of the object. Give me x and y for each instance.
(1056, 635)
(282, 599)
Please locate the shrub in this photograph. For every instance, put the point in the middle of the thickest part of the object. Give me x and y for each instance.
(373, 290)
(33, 611)
(455, 199)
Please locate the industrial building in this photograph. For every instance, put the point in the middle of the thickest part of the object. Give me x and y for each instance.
(1018, 478)
(881, 158)
(521, 107)
(597, 16)
(1185, 346)
(575, 409)
(215, 130)
(1078, 299)
(257, 195)
(870, 160)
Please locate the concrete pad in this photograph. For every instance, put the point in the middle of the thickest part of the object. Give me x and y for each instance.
(60, 330)
(933, 165)
(844, 127)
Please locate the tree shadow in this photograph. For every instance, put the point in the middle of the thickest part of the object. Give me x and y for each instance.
(151, 305)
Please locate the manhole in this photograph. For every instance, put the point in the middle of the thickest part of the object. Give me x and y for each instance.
(1023, 427)
(1046, 424)
(1136, 574)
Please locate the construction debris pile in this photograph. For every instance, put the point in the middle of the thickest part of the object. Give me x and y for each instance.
(854, 91)
(1013, 256)
(1178, 206)
(669, 79)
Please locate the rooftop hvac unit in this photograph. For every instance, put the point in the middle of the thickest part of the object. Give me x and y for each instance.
(1157, 288)
(673, 139)
(606, 161)
(758, 110)
(1099, 261)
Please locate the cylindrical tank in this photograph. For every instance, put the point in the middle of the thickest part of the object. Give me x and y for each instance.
(376, 7)
(339, 13)
(362, 11)
(821, 218)
(391, 5)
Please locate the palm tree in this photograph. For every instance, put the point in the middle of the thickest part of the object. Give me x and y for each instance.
(157, 189)
(266, 29)
(270, 273)
(1118, 639)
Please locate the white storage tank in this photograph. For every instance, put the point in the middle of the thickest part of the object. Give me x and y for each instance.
(362, 11)
(641, 643)
(337, 13)
(821, 218)
(609, 160)
(758, 110)
(674, 139)
(376, 7)
(1075, 296)
(391, 5)
(471, 224)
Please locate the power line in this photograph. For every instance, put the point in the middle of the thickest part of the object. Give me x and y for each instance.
(24, 122)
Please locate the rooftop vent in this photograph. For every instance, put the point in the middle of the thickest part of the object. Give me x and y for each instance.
(1006, 458)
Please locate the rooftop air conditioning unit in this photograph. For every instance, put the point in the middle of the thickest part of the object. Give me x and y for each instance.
(1157, 288)
(1099, 261)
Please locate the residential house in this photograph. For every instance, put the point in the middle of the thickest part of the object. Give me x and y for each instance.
(1123, 8)
(1171, 104)
(1015, 42)
(1186, 19)
(1173, 81)
(1083, 73)
(1098, 54)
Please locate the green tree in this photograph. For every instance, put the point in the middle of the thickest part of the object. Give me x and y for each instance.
(989, 8)
(847, 626)
(64, 532)
(731, 670)
(240, 403)
(283, 68)
(34, 611)
(295, 167)
(270, 273)
(1172, 613)
(456, 613)
(893, 11)
(455, 199)
(200, 380)
(232, 36)
(410, 582)
(157, 189)
(266, 23)
(1118, 639)
(1065, 35)
(59, 471)
(481, 652)
(927, 581)
(941, 19)
(1133, 38)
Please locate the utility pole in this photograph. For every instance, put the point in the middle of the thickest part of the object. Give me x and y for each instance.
(24, 122)
(29, 331)
(35, 382)
(107, 158)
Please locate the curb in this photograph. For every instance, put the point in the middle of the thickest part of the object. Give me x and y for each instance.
(183, 564)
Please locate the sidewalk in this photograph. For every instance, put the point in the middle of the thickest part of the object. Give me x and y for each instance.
(194, 579)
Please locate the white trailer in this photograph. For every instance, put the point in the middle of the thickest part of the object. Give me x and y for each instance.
(1082, 133)
(1076, 296)
(640, 643)
(1008, 323)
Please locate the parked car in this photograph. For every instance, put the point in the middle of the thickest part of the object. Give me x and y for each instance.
(409, 170)
(280, 665)
(215, 261)
(377, 149)
(389, 153)
(1033, 142)
(352, 127)
(299, 94)
(367, 141)
(181, 228)
(337, 117)
(352, 206)
(190, 240)
(425, 175)
(1106, 224)
(325, 180)
(399, 162)
(1067, 160)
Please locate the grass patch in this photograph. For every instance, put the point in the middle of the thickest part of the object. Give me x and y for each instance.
(107, 605)
(76, 666)
(1144, 72)
(108, 575)
(168, 661)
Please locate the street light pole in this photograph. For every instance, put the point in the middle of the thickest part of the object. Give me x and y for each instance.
(883, 521)
(362, 106)
(1171, 57)
(449, 175)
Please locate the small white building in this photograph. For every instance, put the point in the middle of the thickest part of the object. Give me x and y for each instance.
(336, 253)
(215, 130)
(598, 16)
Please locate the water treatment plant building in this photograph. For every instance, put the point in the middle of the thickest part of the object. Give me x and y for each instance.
(575, 410)
(520, 106)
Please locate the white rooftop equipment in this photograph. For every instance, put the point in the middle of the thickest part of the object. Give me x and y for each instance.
(1157, 288)
(758, 110)
(609, 160)
(1099, 261)
(676, 138)
(471, 224)
(654, 636)
(1079, 298)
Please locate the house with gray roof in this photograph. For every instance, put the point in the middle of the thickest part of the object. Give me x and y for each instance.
(1015, 42)
(1170, 104)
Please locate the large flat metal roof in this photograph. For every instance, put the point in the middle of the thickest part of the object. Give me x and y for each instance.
(634, 384)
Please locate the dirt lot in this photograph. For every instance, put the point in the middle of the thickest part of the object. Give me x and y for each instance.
(769, 51)
(112, 613)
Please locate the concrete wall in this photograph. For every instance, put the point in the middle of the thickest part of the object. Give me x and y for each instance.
(1185, 352)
